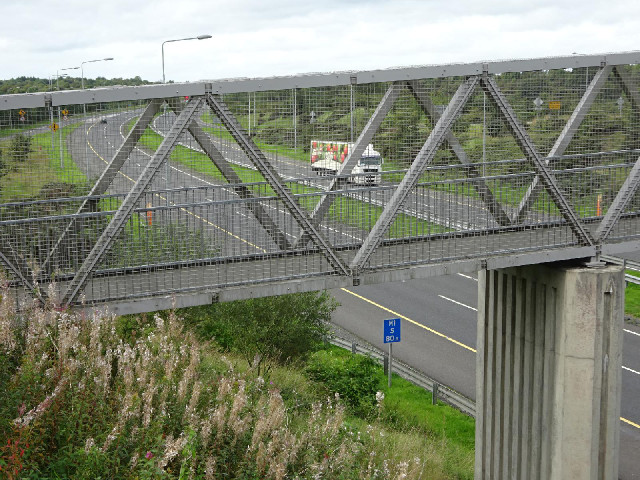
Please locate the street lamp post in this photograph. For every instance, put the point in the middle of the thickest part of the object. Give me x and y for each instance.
(91, 61)
(199, 37)
(60, 112)
(57, 75)
(84, 111)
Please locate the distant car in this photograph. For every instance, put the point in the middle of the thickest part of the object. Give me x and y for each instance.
(103, 120)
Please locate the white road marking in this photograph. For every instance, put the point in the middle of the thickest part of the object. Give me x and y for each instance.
(475, 309)
(469, 277)
(630, 370)
(632, 333)
(458, 303)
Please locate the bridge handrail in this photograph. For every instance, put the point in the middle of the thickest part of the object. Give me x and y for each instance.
(628, 264)
(310, 80)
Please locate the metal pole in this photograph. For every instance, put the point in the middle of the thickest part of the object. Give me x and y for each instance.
(163, 61)
(84, 111)
(199, 37)
(52, 132)
(60, 137)
(390, 363)
(295, 126)
(351, 107)
(84, 123)
(484, 131)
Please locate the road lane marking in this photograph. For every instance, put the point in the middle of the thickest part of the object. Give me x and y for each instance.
(632, 333)
(435, 332)
(458, 303)
(630, 422)
(231, 190)
(475, 309)
(181, 208)
(469, 277)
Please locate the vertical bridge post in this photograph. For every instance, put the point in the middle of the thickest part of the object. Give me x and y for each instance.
(548, 373)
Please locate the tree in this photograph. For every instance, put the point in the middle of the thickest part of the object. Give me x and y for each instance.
(279, 328)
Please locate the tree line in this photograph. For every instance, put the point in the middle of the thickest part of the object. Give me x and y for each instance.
(35, 84)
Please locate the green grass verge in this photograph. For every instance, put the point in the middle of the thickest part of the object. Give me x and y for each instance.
(632, 302)
(43, 165)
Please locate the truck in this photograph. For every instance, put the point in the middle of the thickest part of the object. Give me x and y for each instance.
(327, 158)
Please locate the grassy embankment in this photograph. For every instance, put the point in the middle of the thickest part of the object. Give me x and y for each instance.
(137, 397)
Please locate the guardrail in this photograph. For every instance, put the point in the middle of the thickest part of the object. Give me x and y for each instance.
(439, 391)
(627, 264)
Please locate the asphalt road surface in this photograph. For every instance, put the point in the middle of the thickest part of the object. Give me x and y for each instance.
(439, 339)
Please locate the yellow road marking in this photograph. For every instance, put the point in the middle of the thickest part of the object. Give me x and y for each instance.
(181, 208)
(435, 332)
(630, 422)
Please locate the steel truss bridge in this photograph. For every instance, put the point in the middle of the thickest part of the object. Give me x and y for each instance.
(183, 194)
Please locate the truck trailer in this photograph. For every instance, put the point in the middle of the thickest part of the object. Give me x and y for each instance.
(327, 158)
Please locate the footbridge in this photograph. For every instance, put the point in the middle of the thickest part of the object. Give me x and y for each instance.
(143, 198)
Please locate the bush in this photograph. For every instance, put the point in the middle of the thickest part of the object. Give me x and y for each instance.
(280, 328)
(20, 147)
(351, 376)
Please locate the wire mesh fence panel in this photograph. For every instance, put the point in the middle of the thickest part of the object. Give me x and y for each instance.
(139, 192)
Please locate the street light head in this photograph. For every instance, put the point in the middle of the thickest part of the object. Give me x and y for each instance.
(203, 37)
(106, 59)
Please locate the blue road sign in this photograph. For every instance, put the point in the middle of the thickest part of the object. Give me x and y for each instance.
(392, 330)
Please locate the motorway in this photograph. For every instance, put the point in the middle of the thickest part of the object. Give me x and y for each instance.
(439, 331)
(439, 339)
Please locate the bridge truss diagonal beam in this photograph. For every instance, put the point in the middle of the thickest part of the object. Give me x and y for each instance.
(419, 164)
(18, 266)
(234, 179)
(478, 183)
(124, 211)
(274, 180)
(629, 88)
(531, 153)
(565, 137)
(370, 129)
(109, 173)
(624, 196)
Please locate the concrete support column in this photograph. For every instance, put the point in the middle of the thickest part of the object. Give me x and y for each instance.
(549, 368)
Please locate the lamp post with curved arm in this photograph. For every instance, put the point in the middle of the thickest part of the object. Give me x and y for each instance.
(84, 111)
(60, 112)
(199, 37)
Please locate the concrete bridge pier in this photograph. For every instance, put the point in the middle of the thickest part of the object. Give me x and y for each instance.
(549, 368)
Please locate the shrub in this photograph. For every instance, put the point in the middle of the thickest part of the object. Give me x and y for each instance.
(20, 147)
(279, 328)
(353, 377)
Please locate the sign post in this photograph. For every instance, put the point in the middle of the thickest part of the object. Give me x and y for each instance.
(391, 335)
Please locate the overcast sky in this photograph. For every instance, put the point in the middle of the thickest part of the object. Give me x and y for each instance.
(256, 38)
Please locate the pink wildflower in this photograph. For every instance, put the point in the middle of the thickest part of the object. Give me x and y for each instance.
(149, 456)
